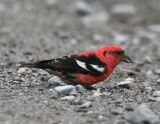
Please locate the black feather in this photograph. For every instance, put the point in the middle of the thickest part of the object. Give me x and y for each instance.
(68, 64)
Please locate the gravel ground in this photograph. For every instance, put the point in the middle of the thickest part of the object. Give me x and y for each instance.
(33, 30)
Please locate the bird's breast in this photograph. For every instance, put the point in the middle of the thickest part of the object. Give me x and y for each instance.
(87, 79)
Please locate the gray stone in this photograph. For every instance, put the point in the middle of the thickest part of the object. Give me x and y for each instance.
(16, 78)
(83, 8)
(56, 81)
(80, 89)
(124, 9)
(158, 81)
(46, 77)
(77, 101)
(100, 117)
(43, 72)
(65, 90)
(156, 94)
(68, 98)
(118, 121)
(97, 93)
(157, 71)
(148, 59)
(147, 86)
(143, 115)
(117, 111)
(91, 98)
(51, 3)
(154, 99)
(151, 75)
(22, 70)
(87, 104)
(127, 83)
(73, 92)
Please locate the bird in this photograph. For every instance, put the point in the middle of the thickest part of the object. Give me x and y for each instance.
(85, 68)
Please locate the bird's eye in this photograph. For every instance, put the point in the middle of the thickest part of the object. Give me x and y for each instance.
(120, 53)
(104, 53)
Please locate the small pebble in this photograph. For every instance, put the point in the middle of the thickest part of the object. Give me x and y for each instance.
(100, 117)
(158, 81)
(53, 95)
(21, 70)
(128, 83)
(129, 108)
(148, 59)
(68, 98)
(156, 94)
(46, 77)
(51, 3)
(117, 111)
(87, 104)
(43, 72)
(84, 110)
(142, 114)
(80, 89)
(124, 9)
(83, 8)
(77, 101)
(15, 78)
(56, 81)
(91, 98)
(150, 74)
(46, 102)
(154, 99)
(65, 90)
(120, 121)
(97, 93)
(157, 71)
(73, 92)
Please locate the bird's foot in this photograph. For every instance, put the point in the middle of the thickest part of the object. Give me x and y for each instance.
(89, 87)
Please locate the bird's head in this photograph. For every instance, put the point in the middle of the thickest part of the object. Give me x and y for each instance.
(114, 54)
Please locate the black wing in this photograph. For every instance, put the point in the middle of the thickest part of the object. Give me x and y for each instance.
(73, 64)
(93, 64)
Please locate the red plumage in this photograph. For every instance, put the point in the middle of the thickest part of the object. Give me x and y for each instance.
(86, 68)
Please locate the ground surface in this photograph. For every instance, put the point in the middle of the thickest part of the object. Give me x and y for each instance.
(33, 30)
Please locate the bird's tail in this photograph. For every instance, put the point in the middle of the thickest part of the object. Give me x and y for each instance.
(29, 65)
(40, 64)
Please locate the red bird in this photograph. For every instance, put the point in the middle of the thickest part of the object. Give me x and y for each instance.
(85, 68)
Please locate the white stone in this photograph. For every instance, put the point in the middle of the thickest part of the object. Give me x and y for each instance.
(127, 83)
(65, 90)
(126, 9)
(68, 98)
(87, 104)
(21, 70)
(156, 94)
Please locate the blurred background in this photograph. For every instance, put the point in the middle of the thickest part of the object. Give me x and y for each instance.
(38, 28)
(33, 30)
